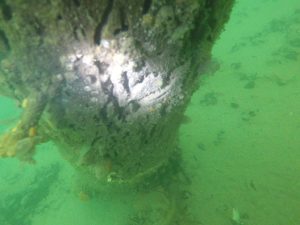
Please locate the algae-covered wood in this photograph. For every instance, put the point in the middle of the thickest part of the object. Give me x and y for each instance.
(107, 81)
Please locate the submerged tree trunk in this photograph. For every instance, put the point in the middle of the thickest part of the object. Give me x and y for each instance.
(106, 80)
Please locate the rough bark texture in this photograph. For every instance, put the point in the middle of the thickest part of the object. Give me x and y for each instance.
(107, 80)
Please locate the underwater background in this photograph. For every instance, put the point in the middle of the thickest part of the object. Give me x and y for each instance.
(241, 143)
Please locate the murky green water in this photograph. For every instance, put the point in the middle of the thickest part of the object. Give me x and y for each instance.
(241, 147)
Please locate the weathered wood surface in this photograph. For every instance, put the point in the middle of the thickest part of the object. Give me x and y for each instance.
(106, 80)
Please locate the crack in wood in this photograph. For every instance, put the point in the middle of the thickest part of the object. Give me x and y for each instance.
(103, 22)
(146, 6)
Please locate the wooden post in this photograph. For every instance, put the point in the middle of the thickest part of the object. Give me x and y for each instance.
(110, 79)
(108, 82)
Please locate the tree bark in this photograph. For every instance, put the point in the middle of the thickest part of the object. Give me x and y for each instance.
(106, 80)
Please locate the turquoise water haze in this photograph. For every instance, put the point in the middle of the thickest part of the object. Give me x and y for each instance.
(240, 143)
